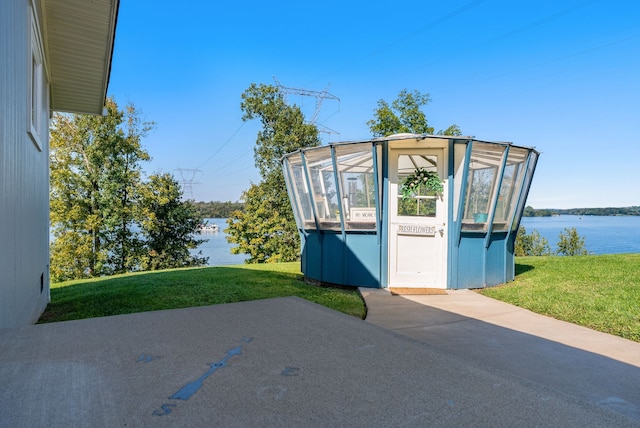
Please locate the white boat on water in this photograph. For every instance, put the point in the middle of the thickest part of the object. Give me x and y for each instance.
(209, 228)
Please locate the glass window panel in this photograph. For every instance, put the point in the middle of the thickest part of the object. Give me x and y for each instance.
(528, 176)
(300, 198)
(355, 167)
(323, 186)
(484, 164)
(421, 202)
(510, 188)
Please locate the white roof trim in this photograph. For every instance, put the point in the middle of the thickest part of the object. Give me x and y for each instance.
(79, 37)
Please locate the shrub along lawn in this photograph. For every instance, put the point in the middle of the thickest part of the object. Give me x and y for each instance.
(600, 292)
(181, 288)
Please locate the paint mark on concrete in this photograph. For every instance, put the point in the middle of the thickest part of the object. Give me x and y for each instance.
(192, 387)
(144, 358)
(290, 371)
(165, 410)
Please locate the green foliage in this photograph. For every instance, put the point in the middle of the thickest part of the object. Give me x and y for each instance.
(95, 200)
(421, 178)
(405, 116)
(531, 212)
(217, 209)
(283, 127)
(181, 288)
(417, 207)
(168, 225)
(634, 210)
(453, 130)
(599, 292)
(531, 244)
(571, 244)
(266, 229)
(609, 211)
(95, 167)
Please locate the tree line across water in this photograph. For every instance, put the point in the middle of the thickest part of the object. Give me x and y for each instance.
(224, 209)
(217, 209)
(609, 211)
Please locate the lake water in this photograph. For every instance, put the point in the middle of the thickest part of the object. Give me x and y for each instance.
(217, 248)
(602, 234)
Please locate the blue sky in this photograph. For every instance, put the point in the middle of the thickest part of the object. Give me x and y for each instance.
(560, 75)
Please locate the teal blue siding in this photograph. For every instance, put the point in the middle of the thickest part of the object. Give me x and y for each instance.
(311, 256)
(495, 262)
(470, 263)
(477, 266)
(352, 259)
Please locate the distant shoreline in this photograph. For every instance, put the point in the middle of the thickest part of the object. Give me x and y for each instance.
(608, 212)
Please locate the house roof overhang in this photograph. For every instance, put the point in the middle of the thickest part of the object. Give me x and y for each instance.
(79, 37)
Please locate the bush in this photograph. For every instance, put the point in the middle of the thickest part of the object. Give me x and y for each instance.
(531, 244)
(571, 244)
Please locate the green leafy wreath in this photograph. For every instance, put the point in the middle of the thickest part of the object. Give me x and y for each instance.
(421, 177)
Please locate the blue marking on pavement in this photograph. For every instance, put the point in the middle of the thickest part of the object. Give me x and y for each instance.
(145, 358)
(166, 409)
(290, 371)
(192, 387)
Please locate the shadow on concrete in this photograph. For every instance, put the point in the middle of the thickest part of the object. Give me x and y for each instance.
(532, 359)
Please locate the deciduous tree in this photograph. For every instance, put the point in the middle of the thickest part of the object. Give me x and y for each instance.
(266, 230)
(95, 167)
(97, 209)
(404, 115)
(169, 225)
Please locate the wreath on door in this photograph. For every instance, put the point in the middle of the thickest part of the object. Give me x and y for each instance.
(421, 178)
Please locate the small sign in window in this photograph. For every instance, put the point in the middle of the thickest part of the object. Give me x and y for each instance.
(363, 214)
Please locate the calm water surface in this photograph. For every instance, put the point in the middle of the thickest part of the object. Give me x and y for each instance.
(602, 234)
(217, 248)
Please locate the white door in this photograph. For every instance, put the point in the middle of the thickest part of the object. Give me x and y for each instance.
(417, 222)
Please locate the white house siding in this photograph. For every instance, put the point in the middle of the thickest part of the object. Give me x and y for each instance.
(24, 178)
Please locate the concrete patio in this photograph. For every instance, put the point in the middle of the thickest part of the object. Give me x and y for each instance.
(289, 362)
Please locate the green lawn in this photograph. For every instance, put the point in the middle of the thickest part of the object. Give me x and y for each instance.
(181, 288)
(599, 292)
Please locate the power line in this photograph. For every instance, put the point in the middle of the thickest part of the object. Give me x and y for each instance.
(320, 96)
(223, 145)
(187, 176)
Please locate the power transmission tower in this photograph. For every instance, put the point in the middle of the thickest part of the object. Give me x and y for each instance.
(187, 176)
(320, 96)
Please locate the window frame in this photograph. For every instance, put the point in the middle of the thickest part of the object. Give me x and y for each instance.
(37, 85)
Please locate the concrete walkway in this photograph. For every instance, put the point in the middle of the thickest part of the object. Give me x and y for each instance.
(289, 362)
(599, 368)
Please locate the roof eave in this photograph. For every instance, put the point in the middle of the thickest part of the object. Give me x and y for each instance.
(79, 41)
